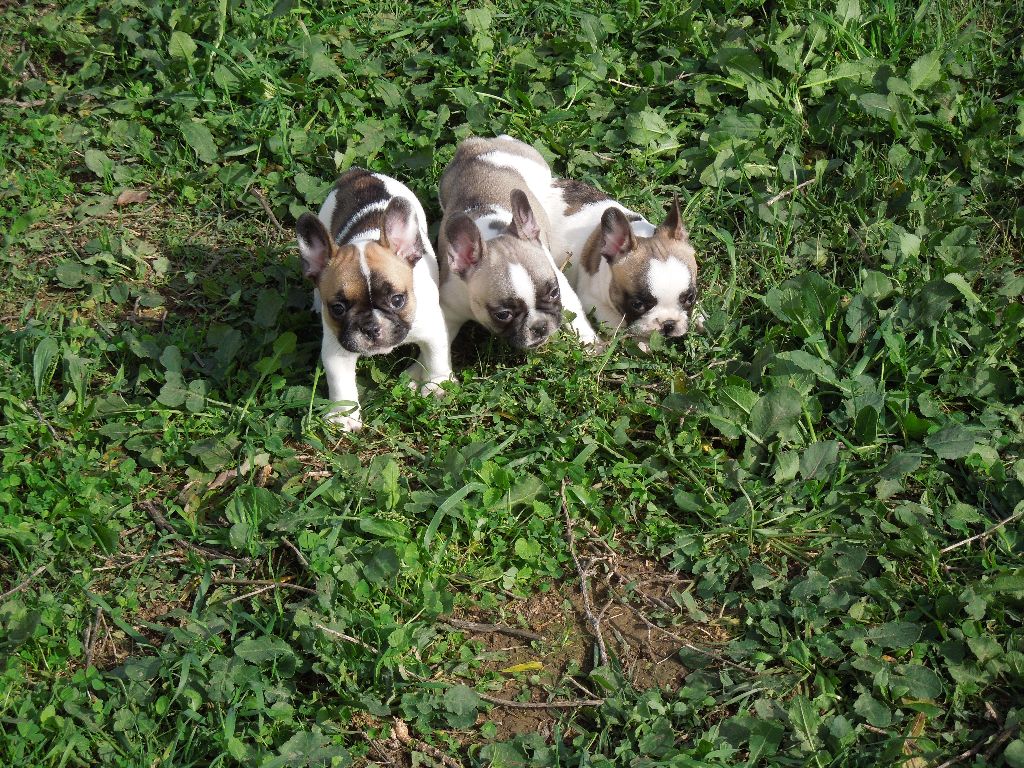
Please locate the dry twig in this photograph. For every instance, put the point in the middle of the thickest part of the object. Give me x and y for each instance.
(258, 194)
(564, 704)
(588, 606)
(23, 584)
(984, 534)
(997, 740)
(473, 626)
(402, 735)
(790, 191)
(162, 525)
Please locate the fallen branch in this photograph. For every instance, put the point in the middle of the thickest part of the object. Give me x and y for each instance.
(401, 734)
(258, 194)
(22, 104)
(347, 638)
(162, 525)
(998, 738)
(500, 629)
(265, 582)
(984, 534)
(301, 558)
(23, 584)
(588, 606)
(563, 704)
(791, 190)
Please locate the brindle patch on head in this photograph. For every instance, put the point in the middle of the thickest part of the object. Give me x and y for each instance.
(361, 200)
(578, 195)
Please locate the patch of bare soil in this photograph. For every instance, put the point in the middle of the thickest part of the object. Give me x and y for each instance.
(640, 621)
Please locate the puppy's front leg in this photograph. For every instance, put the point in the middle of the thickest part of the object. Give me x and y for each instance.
(340, 367)
(433, 365)
(571, 302)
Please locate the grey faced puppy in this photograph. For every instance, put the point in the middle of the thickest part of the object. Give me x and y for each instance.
(496, 264)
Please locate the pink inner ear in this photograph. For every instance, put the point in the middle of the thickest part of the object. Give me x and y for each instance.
(314, 246)
(616, 235)
(400, 229)
(526, 225)
(463, 245)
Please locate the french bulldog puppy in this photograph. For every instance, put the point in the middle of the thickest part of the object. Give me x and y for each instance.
(374, 288)
(496, 265)
(630, 273)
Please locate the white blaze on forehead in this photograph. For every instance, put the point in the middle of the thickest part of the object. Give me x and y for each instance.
(667, 279)
(522, 285)
(365, 268)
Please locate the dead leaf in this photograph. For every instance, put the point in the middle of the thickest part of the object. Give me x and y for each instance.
(130, 196)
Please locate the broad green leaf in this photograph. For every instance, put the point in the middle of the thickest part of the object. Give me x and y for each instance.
(174, 392)
(182, 46)
(811, 363)
(268, 306)
(647, 127)
(1007, 582)
(895, 634)
(1014, 753)
(198, 136)
(877, 285)
(263, 648)
(872, 710)
(805, 720)
(388, 529)
(957, 281)
(462, 704)
(776, 411)
(952, 442)
(901, 464)
(44, 364)
(847, 11)
(817, 458)
(98, 163)
(926, 71)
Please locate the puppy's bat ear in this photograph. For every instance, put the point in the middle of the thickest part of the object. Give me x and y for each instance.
(524, 222)
(616, 235)
(673, 225)
(465, 246)
(314, 245)
(400, 232)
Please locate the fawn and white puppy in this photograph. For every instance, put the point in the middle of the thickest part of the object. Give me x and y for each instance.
(374, 288)
(496, 264)
(629, 272)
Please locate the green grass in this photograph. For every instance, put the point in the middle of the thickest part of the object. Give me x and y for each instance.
(808, 494)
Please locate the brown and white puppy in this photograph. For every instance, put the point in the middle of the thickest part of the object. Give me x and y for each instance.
(630, 273)
(496, 264)
(374, 290)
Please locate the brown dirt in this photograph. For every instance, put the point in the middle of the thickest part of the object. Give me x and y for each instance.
(624, 588)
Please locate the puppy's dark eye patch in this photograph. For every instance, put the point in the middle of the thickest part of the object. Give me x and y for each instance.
(338, 306)
(688, 297)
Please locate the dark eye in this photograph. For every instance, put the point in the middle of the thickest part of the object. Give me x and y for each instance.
(338, 308)
(398, 300)
(638, 305)
(553, 293)
(687, 297)
(502, 315)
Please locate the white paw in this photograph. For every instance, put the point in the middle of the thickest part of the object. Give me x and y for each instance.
(697, 321)
(347, 420)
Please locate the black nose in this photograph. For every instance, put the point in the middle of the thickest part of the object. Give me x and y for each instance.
(539, 329)
(372, 331)
(668, 326)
